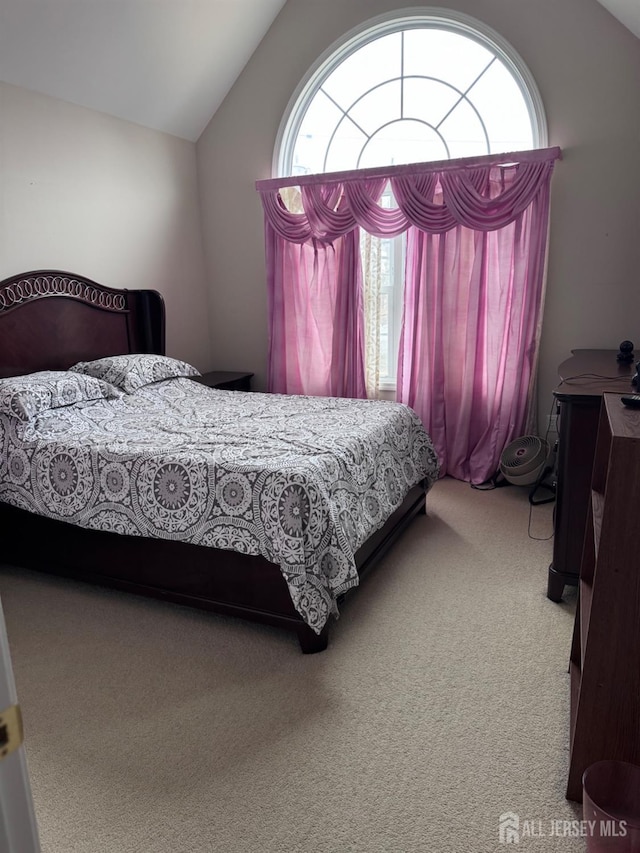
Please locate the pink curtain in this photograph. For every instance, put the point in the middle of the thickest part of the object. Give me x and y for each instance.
(477, 237)
(314, 279)
(315, 316)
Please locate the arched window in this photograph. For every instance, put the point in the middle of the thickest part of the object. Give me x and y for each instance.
(409, 87)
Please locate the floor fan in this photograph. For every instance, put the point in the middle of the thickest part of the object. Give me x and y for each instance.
(526, 461)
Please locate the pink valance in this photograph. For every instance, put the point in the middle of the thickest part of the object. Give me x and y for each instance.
(481, 193)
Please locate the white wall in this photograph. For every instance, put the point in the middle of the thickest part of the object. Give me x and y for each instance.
(87, 193)
(587, 66)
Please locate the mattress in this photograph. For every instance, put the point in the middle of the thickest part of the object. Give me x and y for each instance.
(302, 481)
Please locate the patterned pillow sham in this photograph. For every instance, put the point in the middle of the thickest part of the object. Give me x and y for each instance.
(25, 397)
(133, 371)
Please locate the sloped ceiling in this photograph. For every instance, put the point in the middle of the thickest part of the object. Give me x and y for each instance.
(165, 64)
(626, 11)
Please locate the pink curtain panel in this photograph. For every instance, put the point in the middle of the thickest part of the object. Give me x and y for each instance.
(473, 292)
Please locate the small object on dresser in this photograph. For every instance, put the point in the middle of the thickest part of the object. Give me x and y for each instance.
(631, 400)
(625, 352)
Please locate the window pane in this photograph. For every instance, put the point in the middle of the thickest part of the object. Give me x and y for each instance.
(372, 64)
(345, 148)
(444, 56)
(385, 330)
(313, 137)
(499, 100)
(403, 142)
(428, 100)
(386, 261)
(464, 132)
(379, 106)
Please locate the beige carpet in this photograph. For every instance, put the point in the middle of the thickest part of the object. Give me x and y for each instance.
(441, 703)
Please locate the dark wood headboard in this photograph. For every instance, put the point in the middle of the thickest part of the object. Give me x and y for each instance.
(50, 319)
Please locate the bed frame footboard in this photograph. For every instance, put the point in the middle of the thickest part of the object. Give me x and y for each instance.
(206, 578)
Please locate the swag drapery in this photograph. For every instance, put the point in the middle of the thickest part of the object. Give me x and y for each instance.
(472, 301)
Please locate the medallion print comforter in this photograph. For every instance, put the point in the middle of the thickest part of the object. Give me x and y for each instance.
(303, 481)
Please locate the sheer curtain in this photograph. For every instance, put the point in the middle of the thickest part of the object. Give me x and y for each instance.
(371, 253)
(476, 249)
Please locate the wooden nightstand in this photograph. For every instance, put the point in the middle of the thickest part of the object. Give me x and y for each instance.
(227, 380)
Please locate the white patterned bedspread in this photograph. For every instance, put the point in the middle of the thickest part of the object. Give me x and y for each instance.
(303, 481)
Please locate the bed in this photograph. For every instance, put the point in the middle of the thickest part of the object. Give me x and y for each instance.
(263, 506)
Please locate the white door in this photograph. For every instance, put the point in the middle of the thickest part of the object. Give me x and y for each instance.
(18, 828)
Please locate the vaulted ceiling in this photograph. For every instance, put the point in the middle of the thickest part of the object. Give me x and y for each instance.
(165, 64)
(627, 11)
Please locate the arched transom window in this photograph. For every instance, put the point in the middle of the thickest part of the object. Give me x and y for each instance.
(411, 89)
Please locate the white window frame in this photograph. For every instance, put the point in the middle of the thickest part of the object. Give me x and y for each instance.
(394, 289)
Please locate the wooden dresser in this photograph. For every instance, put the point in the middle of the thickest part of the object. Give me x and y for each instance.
(605, 676)
(583, 379)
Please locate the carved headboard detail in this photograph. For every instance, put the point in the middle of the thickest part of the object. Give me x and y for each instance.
(18, 290)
